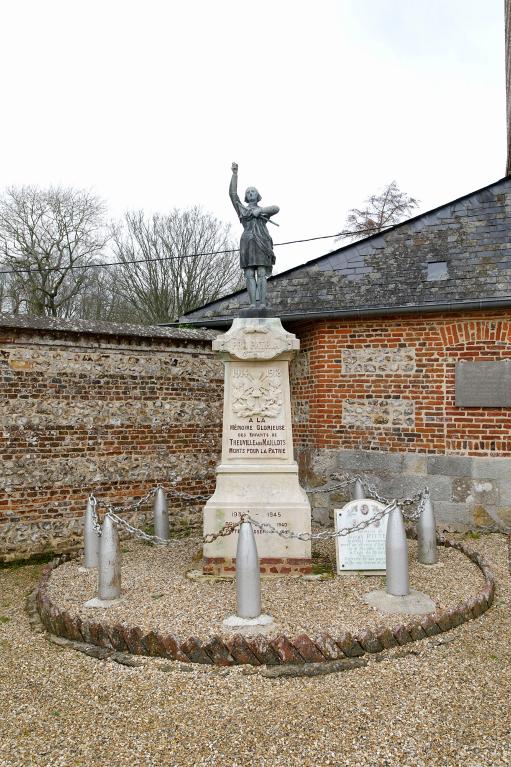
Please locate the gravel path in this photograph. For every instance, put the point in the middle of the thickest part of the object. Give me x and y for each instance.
(157, 594)
(445, 704)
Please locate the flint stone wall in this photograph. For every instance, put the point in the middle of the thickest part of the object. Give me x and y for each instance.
(104, 408)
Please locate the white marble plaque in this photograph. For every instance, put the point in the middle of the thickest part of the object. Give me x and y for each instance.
(363, 550)
(256, 424)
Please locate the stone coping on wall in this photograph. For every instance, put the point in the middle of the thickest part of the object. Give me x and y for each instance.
(260, 650)
(89, 327)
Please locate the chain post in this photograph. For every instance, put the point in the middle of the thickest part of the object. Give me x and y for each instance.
(427, 553)
(248, 576)
(161, 514)
(109, 580)
(396, 555)
(358, 490)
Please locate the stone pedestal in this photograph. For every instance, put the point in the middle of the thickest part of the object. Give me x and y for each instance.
(258, 474)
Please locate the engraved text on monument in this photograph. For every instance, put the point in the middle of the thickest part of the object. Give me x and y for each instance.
(257, 426)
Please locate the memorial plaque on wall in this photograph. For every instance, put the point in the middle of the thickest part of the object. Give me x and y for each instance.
(483, 384)
(363, 550)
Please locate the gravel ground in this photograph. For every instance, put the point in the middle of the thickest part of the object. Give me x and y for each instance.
(157, 594)
(445, 704)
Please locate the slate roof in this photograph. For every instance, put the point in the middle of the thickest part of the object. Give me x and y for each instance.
(389, 271)
(55, 324)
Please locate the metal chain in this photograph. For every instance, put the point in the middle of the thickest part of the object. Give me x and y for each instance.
(338, 486)
(129, 507)
(135, 506)
(188, 496)
(414, 516)
(372, 492)
(95, 519)
(323, 535)
(229, 528)
(327, 488)
(132, 530)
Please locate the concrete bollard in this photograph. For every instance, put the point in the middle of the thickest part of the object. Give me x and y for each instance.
(359, 491)
(161, 514)
(109, 581)
(91, 538)
(427, 552)
(396, 552)
(248, 577)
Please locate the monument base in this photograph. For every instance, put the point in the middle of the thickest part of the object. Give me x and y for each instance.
(269, 494)
(254, 311)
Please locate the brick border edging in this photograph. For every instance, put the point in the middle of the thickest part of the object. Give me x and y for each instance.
(259, 650)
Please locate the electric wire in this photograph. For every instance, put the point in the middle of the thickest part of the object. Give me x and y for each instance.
(99, 265)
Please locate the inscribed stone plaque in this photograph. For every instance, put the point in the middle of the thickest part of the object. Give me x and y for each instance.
(256, 425)
(483, 384)
(363, 550)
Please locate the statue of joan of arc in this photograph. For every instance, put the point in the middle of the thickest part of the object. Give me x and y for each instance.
(256, 245)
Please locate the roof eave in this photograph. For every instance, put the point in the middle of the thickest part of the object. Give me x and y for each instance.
(369, 311)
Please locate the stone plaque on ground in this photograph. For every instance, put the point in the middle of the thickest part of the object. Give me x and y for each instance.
(363, 550)
(257, 473)
(483, 384)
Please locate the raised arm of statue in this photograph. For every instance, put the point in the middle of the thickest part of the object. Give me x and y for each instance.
(233, 190)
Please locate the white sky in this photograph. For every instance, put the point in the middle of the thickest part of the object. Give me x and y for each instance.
(321, 104)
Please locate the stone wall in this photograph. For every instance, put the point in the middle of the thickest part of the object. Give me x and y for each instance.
(117, 409)
(103, 408)
(377, 396)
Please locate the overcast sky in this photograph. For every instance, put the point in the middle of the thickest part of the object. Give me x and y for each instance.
(321, 104)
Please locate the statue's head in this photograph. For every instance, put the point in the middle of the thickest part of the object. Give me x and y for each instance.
(252, 195)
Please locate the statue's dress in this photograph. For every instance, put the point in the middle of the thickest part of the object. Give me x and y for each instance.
(256, 245)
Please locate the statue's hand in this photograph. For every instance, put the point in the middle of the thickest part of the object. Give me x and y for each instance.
(255, 212)
(234, 167)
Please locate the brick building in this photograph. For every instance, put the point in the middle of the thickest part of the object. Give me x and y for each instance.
(404, 370)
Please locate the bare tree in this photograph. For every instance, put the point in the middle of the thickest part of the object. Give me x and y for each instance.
(382, 210)
(5, 302)
(172, 264)
(99, 298)
(48, 238)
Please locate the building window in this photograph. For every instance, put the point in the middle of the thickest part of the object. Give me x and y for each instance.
(437, 270)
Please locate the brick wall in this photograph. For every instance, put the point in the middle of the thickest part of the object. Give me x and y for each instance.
(367, 389)
(109, 413)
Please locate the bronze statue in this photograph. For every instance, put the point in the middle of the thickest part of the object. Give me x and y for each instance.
(256, 245)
